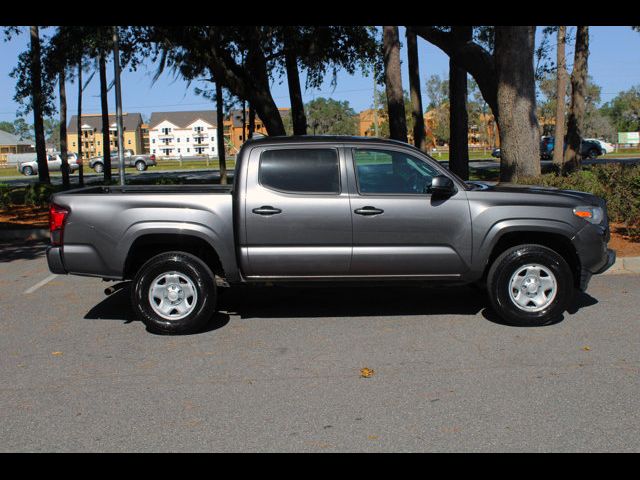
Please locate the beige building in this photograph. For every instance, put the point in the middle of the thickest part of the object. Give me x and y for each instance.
(92, 138)
(9, 143)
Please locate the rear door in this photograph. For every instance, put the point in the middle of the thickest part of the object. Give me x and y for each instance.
(297, 213)
(399, 229)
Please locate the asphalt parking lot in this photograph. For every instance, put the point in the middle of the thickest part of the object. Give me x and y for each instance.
(279, 370)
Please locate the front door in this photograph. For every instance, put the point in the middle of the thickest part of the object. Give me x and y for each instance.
(399, 228)
(297, 213)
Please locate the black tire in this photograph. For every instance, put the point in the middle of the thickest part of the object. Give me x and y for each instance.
(141, 166)
(508, 263)
(98, 167)
(28, 171)
(592, 154)
(186, 264)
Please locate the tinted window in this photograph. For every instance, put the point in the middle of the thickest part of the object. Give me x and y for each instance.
(384, 171)
(301, 170)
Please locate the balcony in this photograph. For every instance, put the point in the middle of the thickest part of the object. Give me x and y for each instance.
(201, 134)
(165, 135)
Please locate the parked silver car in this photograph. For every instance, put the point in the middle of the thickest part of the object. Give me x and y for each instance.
(54, 160)
(140, 161)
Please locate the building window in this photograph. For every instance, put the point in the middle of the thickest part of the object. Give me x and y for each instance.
(187, 150)
(153, 140)
(153, 151)
(129, 142)
(166, 131)
(178, 140)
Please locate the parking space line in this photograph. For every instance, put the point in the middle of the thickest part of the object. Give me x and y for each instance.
(41, 283)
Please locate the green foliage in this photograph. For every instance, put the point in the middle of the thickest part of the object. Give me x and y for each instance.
(5, 195)
(326, 116)
(38, 194)
(618, 184)
(624, 110)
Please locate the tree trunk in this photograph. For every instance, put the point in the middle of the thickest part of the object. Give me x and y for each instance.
(37, 103)
(252, 120)
(458, 116)
(516, 97)
(244, 121)
(572, 157)
(419, 134)
(298, 116)
(106, 137)
(63, 129)
(250, 82)
(393, 81)
(79, 125)
(472, 57)
(220, 122)
(561, 87)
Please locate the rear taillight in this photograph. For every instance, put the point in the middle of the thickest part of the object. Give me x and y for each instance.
(153, 158)
(57, 218)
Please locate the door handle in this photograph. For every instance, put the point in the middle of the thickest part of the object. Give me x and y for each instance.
(266, 210)
(368, 211)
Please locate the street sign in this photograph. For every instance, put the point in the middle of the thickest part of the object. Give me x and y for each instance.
(629, 137)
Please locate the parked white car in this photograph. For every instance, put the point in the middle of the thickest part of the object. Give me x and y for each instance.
(606, 146)
(55, 164)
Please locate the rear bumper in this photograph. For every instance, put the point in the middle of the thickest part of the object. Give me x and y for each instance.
(54, 260)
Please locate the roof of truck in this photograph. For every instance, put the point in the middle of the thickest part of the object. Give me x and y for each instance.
(324, 139)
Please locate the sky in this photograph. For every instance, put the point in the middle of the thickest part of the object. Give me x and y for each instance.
(614, 64)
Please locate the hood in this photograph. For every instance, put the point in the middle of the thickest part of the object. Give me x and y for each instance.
(583, 197)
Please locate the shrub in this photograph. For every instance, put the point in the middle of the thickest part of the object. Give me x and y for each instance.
(618, 184)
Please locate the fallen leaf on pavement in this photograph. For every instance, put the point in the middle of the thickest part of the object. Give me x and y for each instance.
(366, 372)
(586, 348)
(56, 354)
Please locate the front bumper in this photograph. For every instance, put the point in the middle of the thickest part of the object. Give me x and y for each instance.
(595, 257)
(54, 260)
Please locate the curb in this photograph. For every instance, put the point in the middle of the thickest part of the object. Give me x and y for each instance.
(24, 234)
(624, 265)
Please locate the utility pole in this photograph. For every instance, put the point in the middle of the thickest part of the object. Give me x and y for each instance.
(116, 67)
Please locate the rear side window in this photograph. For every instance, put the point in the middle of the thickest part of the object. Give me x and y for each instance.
(313, 170)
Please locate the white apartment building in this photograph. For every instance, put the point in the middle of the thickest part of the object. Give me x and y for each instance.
(187, 134)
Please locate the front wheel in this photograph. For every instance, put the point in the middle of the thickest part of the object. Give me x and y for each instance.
(98, 168)
(530, 285)
(174, 293)
(592, 154)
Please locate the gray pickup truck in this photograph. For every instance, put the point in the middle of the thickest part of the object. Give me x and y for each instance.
(332, 209)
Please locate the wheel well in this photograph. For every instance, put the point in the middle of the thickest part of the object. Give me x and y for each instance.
(148, 246)
(556, 242)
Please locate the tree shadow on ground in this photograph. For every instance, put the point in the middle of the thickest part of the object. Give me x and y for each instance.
(339, 301)
(22, 250)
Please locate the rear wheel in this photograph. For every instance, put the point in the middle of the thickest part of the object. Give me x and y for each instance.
(593, 154)
(530, 285)
(173, 293)
(28, 171)
(141, 166)
(98, 167)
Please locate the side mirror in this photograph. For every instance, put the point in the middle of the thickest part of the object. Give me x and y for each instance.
(443, 186)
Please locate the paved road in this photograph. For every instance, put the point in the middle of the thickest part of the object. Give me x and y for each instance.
(278, 370)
